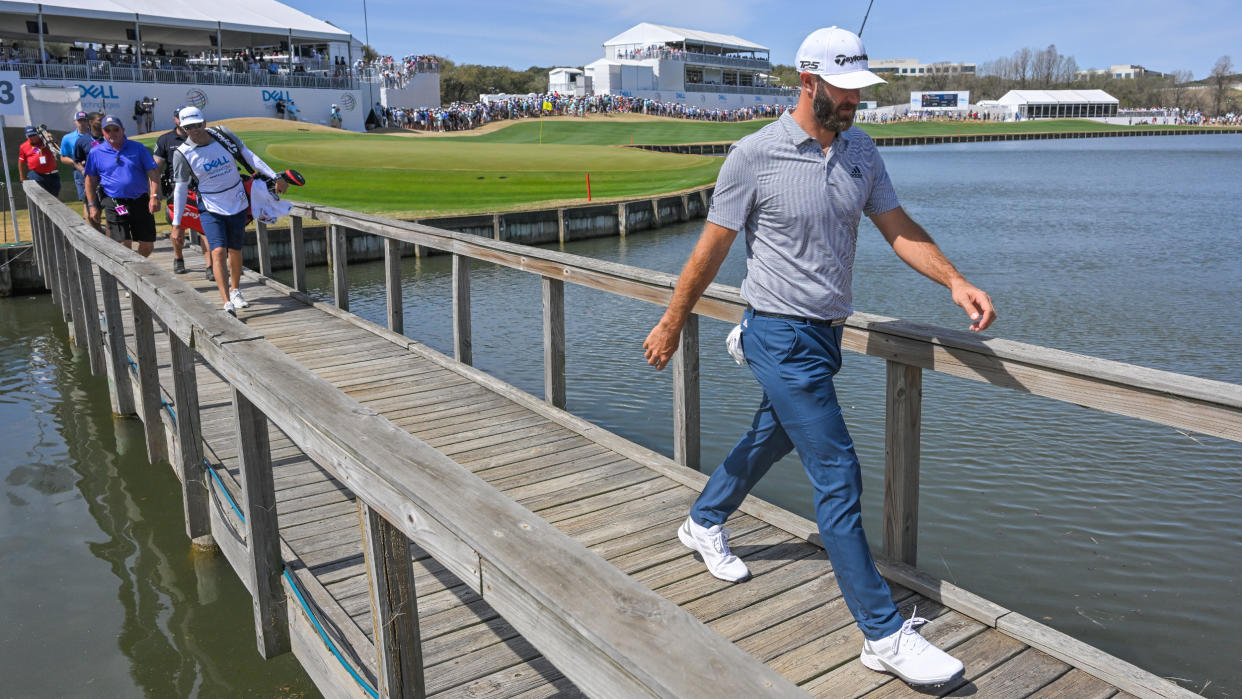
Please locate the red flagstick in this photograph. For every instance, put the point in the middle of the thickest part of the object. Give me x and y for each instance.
(588, 186)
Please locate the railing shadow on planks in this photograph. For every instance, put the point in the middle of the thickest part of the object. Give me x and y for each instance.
(608, 633)
(602, 629)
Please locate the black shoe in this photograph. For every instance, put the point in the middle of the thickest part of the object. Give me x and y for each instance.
(179, 266)
(208, 275)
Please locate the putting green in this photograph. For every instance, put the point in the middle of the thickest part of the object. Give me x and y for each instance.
(409, 176)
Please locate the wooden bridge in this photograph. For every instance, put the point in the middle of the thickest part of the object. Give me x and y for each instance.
(410, 526)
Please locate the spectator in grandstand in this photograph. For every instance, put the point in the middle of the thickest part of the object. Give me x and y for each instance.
(68, 146)
(35, 161)
(210, 158)
(124, 171)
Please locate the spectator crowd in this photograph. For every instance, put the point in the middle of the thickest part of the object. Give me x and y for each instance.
(463, 116)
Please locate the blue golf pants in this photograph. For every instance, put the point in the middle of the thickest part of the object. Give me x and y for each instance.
(794, 361)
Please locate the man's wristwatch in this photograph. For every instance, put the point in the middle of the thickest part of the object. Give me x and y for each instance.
(92, 203)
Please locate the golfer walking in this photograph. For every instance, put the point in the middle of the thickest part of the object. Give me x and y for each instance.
(798, 188)
(221, 199)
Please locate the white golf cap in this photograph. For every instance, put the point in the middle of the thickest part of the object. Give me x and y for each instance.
(836, 55)
(191, 115)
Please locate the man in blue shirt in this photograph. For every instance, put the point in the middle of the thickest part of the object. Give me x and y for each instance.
(126, 174)
(68, 148)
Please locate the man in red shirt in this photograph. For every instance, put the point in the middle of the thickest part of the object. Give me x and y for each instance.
(37, 162)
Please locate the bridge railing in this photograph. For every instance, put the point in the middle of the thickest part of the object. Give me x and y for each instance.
(599, 627)
(1180, 401)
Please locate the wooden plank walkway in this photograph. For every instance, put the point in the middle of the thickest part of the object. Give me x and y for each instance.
(790, 615)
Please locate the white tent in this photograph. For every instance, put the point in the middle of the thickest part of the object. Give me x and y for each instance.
(175, 23)
(1053, 104)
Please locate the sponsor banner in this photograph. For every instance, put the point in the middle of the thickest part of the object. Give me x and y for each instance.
(216, 101)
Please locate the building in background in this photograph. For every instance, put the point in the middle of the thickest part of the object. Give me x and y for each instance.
(1123, 71)
(692, 67)
(912, 66)
(569, 81)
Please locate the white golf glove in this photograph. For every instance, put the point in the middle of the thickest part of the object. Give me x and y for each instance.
(734, 344)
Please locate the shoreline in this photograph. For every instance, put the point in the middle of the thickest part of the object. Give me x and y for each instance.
(937, 139)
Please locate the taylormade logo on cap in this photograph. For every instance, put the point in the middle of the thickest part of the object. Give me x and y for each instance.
(836, 55)
(191, 115)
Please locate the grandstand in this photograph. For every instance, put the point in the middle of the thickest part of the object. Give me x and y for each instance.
(233, 58)
(688, 66)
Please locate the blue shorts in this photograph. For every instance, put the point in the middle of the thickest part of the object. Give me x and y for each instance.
(223, 231)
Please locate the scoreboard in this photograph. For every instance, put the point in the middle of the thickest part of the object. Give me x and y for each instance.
(954, 99)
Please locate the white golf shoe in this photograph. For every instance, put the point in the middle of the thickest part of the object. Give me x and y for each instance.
(238, 301)
(908, 655)
(712, 543)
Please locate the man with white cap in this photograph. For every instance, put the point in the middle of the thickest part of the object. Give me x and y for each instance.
(798, 188)
(211, 158)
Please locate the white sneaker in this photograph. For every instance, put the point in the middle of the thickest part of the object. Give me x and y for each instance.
(239, 301)
(908, 655)
(230, 309)
(712, 543)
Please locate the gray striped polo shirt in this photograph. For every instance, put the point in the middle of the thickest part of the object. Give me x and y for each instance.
(800, 210)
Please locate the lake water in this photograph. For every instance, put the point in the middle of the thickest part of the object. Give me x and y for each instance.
(1122, 533)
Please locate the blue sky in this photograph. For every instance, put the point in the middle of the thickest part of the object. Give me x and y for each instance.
(1162, 35)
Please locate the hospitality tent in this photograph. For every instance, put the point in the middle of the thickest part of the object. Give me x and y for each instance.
(174, 23)
(1060, 104)
(648, 34)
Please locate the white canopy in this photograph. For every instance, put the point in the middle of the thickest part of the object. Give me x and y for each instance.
(646, 34)
(171, 22)
(1017, 97)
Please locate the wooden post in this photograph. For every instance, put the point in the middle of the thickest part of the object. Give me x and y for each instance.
(264, 248)
(194, 486)
(903, 414)
(655, 213)
(496, 226)
(392, 282)
(120, 390)
(461, 309)
(40, 243)
(560, 225)
(297, 245)
(271, 619)
(554, 341)
(686, 396)
(340, 262)
(685, 208)
(90, 308)
(394, 607)
(62, 275)
(621, 219)
(148, 380)
(73, 298)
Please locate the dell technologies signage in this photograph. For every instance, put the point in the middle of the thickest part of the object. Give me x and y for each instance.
(959, 99)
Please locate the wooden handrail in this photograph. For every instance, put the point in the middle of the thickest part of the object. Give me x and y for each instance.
(602, 629)
(1181, 401)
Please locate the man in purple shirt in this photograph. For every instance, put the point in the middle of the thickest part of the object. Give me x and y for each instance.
(124, 172)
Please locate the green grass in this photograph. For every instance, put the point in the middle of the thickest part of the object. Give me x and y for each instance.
(604, 131)
(508, 169)
(422, 176)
